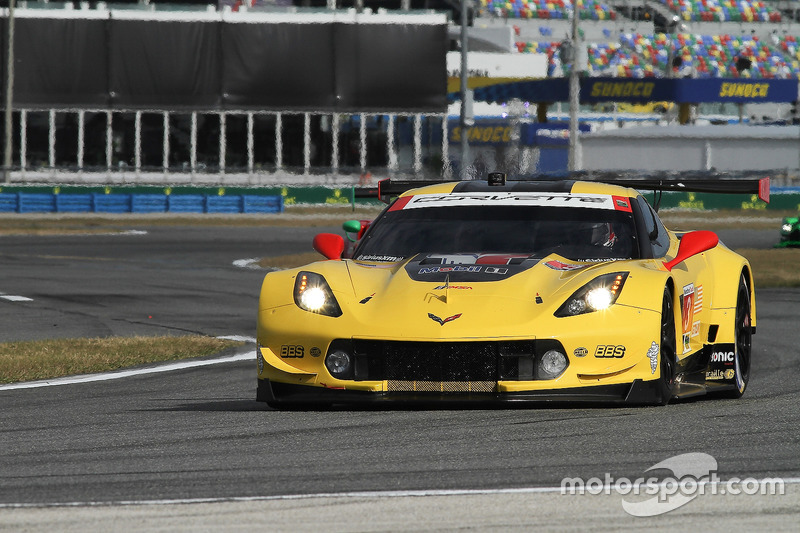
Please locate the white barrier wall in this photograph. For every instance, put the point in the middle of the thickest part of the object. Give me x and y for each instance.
(678, 148)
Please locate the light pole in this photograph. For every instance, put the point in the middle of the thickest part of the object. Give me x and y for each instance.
(9, 94)
(574, 95)
(463, 90)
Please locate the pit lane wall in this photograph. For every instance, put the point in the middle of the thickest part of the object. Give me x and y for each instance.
(77, 199)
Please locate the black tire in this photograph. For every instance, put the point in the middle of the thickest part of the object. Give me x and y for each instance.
(668, 346)
(743, 336)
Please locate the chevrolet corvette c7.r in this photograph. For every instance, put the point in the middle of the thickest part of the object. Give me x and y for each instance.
(509, 291)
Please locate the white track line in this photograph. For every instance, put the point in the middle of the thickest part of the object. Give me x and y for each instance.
(238, 338)
(244, 354)
(13, 298)
(126, 232)
(247, 263)
(610, 489)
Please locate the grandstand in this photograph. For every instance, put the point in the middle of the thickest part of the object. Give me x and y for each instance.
(661, 38)
(703, 38)
(633, 38)
(622, 38)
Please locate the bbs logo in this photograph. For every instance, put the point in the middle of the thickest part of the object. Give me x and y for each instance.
(289, 351)
(609, 350)
(722, 357)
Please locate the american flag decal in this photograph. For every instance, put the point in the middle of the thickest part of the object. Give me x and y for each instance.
(698, 299)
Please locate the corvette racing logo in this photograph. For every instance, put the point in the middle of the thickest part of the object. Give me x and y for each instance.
(442, 322)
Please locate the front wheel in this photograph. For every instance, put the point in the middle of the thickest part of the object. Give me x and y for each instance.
(667, 364)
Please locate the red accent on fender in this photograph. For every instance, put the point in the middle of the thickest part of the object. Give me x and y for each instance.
(400, 203)
(693, 243)
(763, 189)
(329, 244)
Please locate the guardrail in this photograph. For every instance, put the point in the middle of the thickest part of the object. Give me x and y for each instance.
(275, 199)
(24, 202)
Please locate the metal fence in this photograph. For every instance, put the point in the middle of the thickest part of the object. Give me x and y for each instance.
(223, 147)
(125, 102)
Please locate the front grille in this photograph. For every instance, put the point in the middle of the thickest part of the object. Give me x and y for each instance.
(446, 366)
(395, 385)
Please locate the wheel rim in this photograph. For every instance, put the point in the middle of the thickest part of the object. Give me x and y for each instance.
(743, 338)
(667, 342)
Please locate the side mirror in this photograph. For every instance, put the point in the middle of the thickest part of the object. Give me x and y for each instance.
(693, 243)
(356, 226)
(329, 244)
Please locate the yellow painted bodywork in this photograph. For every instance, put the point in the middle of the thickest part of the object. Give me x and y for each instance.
(503, 310)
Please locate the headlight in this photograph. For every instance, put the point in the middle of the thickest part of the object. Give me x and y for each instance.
(599, 298)
(597, 295)
(339, 364)
(552, 364)
(312, 293)
(786, 228)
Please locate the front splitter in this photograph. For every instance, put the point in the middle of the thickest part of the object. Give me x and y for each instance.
(636, 393)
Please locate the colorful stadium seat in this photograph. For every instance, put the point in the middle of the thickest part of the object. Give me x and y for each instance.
(723, 10)
(547, 9)
(704, 56)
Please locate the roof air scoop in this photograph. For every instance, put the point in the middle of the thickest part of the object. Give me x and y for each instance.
(496, 179)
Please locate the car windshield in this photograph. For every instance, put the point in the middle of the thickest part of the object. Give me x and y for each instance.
(574, 233)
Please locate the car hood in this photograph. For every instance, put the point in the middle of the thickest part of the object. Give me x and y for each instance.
(497, 298)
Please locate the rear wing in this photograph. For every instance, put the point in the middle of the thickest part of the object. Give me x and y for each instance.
(388, 188)
(688, 183)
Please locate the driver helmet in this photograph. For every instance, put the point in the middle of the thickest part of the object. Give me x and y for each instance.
(600, 234)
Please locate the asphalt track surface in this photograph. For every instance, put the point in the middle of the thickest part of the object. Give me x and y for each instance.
(190, 449)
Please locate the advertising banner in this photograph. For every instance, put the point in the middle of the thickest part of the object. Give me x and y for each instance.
(134, 60)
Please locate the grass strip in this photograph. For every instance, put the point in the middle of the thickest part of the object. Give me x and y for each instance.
(775, 267)
(46, 359)
(313, 216)
(682, 220)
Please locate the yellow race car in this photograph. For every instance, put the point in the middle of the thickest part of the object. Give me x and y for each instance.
(509, 290)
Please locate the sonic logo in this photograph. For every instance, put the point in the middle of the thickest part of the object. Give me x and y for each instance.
(722, 357)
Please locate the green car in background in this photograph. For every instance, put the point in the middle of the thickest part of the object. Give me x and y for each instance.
(790, 233)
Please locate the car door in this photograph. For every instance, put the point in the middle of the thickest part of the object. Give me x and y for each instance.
(691, 277)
